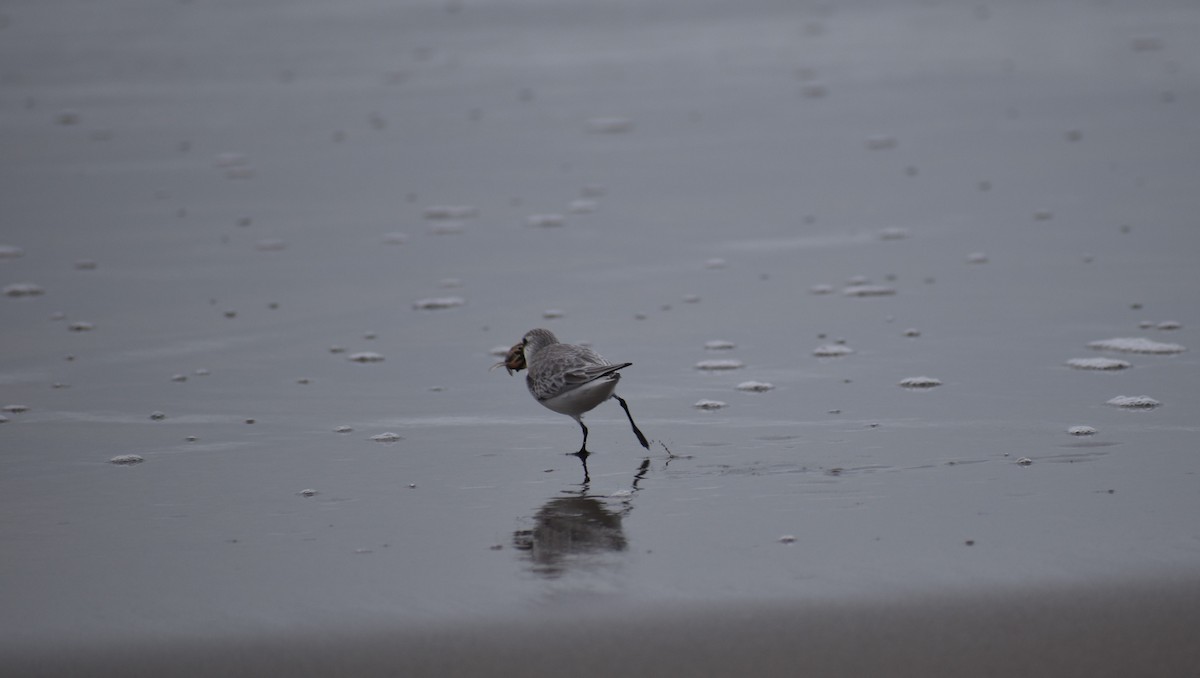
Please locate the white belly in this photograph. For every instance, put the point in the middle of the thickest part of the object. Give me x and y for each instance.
(575, 402)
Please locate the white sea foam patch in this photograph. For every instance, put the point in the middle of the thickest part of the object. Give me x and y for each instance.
(1098, 364)
(720, 365)
(1134, 402)
(832, 351)
(920, 382)
(1136, 345)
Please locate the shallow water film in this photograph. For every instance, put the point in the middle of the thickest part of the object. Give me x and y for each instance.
(909, 290)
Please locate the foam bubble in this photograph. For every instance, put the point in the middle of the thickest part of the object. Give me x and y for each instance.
(437, 303)
(714, 365)
(1097, 364)
(1134, 402)
(23, 289)
(126, 459)
(1136, 345)
(832, 351)
(920, 382)
(867, 290)
(451, 212)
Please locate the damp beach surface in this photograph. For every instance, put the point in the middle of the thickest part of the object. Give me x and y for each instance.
(257, 259)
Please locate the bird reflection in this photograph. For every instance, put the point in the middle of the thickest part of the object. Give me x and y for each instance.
(577, 529)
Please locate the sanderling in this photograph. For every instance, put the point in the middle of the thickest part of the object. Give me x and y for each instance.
(567, 378)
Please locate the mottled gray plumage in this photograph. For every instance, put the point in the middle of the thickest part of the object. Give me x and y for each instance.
(571, 379)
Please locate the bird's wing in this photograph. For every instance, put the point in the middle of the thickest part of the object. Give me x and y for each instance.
(583, 375)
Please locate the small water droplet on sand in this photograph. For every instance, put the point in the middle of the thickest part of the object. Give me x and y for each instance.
(1136, 345)
(920, 382)
(1097, 364)
(715, 365)
(438, 303)
(610, 125)
(755, 386)
(1134, 402)
(893, 233)
(706, 404)
(270, 245)
(832, 351)
(868, 290)
(24, 289)
(388, 437)
(880, 142)
(581, 206)
(126, 459)
(1082, 431)
(450, 212)
(546, 221)
(365, 357)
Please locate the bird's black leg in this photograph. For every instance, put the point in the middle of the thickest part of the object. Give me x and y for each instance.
(583, 448)
(641, 438)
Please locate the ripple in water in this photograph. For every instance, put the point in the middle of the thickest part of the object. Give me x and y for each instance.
(1097, 364)
(714, 365)
(1136, 345)
(920, 382)
(1134, 402)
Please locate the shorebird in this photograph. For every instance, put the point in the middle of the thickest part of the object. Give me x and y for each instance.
(567, 378)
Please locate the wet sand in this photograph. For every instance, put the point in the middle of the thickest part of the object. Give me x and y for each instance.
(1113, 631)
(909, 291)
